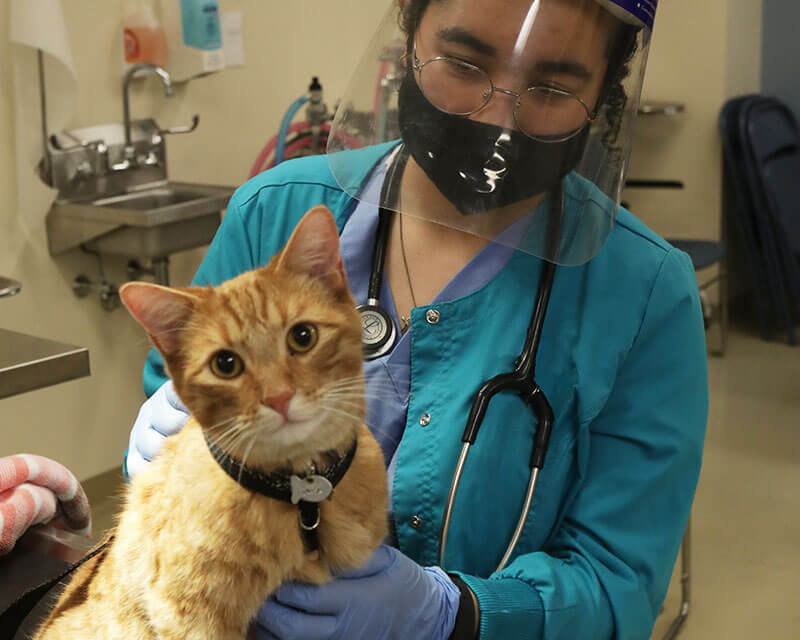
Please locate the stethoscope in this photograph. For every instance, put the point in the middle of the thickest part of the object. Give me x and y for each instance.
(378, 331)
(379, 335)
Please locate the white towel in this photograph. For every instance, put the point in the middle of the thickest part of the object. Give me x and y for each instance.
(34, 25)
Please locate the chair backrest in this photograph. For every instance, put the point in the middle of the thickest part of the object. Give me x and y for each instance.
(734, 167)
(742, 212)
(762, 247)
(770, 137)
(774, 139)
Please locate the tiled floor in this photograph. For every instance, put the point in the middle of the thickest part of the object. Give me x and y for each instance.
(745, 572)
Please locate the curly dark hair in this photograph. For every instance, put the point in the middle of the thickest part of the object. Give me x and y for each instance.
(613, 99)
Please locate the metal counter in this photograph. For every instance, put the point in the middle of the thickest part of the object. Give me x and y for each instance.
(42, 553)
(28, 363)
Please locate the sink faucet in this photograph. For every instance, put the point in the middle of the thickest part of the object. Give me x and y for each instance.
(137, 71)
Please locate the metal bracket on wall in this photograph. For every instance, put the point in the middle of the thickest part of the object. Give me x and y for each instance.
(82, 286)
(158, 270)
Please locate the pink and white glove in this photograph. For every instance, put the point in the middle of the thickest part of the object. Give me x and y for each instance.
(36, 490)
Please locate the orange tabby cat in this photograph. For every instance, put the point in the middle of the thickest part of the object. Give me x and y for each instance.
(269, 364)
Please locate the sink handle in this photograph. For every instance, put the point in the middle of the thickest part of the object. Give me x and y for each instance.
(184, 129)
(79, 143)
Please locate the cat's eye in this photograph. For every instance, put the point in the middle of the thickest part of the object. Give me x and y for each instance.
(302, 337)
(226, 364)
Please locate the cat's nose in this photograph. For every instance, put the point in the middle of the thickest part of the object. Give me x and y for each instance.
(280, 401)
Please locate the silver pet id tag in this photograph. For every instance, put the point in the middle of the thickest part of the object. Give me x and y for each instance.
(310, 488)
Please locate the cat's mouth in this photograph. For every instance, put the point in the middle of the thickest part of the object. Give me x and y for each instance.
(299, 426)
(267, 439)
(273, 421)
(282, 423)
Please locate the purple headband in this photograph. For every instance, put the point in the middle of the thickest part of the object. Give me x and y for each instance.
(642, 10)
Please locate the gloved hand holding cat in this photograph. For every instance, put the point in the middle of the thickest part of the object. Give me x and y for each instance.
(162, 415)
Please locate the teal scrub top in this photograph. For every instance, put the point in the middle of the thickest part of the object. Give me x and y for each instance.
(622, 361)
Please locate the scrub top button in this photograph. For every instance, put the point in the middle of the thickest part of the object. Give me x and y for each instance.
(425, 419)
(432, 316)
(415, 522)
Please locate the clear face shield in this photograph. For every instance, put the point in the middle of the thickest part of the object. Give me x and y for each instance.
(509, 121)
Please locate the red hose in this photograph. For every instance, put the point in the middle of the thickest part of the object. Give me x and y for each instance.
(296, 146)
(270, 146)
(325, 128)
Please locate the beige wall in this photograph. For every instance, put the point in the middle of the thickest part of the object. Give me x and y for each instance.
(745, 20)
(85, 423)
(702, 53)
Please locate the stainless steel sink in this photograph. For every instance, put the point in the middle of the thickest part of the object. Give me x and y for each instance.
(150, 221)
(153, 199)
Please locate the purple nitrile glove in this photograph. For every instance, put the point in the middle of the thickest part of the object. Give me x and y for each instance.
(391, 597)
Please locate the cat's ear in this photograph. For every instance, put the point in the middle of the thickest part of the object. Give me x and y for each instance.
(313, 249)
(162, 311)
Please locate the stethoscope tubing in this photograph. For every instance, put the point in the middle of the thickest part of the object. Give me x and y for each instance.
(397, 163)
(522, 380)
(378, 330)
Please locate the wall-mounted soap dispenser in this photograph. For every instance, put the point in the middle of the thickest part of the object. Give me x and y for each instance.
(194, 35)
(143, 37)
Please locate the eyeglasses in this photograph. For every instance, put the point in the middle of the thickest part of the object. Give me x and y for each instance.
(541, 112)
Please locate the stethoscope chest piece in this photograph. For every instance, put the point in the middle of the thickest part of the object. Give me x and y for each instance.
(378, 332)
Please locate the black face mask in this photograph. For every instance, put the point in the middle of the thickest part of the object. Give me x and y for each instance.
(477, 166)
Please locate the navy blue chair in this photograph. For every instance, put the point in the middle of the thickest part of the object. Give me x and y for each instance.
(761, 149)
(706, 254)
(773, 138)
(738, 206)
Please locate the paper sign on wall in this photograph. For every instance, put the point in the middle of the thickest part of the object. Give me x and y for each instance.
(232, 38)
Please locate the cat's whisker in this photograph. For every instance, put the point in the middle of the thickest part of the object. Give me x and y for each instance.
(351, 397)
(344, 382)
(355, 387)
(356, 403)
(226, 429)
(358, 391)
(238, 442)
(324, 406)
(225, 424)
(355, 418)
(231, 438)
(222, 444)
(352, 384)
(259, 421)
(353, 392)
(388, 387)
(221, 423)
(246, 454)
